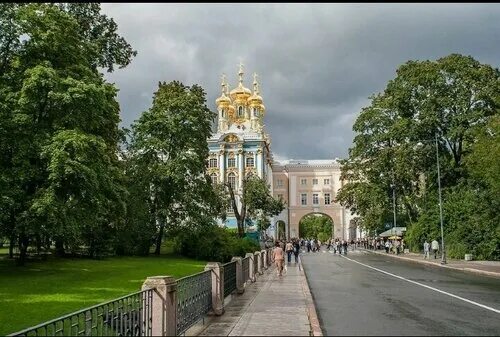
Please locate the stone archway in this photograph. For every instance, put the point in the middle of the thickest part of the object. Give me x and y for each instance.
(316, 225)
(280, 230)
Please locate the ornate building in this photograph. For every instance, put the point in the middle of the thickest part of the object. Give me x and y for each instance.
(241, 147)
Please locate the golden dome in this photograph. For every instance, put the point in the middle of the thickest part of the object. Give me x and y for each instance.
(255, 99)
(223, 100)
(240, 92)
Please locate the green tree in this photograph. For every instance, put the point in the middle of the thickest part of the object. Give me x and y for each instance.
(315, 226)
(59, 125)
(256, 202)
(168, 150)
(452, 98)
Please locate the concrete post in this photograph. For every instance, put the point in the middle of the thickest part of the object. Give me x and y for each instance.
(259, 263)
(239, 275)
(217, 288)
(251, 261)
(164, 320)
(263, 253)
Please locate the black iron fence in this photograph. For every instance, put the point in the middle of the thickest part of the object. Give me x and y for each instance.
(132, 315)
(129, 315)
(229, 277)
(245, 266)
(194, 299)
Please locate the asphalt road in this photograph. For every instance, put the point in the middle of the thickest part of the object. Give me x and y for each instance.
(354, 299)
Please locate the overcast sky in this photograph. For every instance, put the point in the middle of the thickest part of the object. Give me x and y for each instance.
(317, 63)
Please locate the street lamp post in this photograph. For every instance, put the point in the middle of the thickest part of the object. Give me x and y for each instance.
(394, 207)
(443, 254)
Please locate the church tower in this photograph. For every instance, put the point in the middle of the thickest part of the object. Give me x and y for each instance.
(240, 146)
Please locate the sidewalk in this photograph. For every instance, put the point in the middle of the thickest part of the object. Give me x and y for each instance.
(272, 306)
(489, 268)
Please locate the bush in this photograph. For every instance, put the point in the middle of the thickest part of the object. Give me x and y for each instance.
(213, 243)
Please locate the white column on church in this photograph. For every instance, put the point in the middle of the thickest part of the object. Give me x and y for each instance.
(259, 163)
(222, 164)
(241, 169)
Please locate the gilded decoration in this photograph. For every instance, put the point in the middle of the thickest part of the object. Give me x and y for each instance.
(230, 154)
(232, 170)
(231, 138)
(213, 170)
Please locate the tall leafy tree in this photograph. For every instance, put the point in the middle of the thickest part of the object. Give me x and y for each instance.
(168, 150)
(59, 129)
(256, 202)
(450, 99)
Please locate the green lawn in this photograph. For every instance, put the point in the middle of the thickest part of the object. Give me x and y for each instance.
(41, 291)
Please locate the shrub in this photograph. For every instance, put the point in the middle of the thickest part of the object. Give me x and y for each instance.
(213, 243)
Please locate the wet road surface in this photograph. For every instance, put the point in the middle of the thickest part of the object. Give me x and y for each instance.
(369, 294)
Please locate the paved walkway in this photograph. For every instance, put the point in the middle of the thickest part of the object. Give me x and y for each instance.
(490, 268)
(272, 306)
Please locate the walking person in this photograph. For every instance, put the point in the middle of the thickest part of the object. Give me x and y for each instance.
(387, 246)
(435, 247)
(289, 251)
(426, 249)
(296, 251)
(279, 258)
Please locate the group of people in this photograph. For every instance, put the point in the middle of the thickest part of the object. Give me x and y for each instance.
(291, 247)
(434, 245)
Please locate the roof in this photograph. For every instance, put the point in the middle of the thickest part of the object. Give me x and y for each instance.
(393, 231)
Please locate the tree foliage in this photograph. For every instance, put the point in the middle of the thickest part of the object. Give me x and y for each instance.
(59, 130)
(167, 154)
(315, 226)
(256, 202)
(452, 99)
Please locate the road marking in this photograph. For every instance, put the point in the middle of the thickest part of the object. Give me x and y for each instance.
(425, 286)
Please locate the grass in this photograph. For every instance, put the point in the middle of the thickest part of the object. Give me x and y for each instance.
(41, 291)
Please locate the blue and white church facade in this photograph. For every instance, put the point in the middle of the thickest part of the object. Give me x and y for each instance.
(240, 146)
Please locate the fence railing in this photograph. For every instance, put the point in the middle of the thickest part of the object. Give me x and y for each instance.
(194, 299)
(165, 307)
(245, 264)
(229, 277)
(129, 315)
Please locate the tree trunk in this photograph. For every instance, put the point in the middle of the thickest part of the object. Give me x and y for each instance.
(23, 249)
(241, 227)
(11, 246)
(59, 247)
(159, 239)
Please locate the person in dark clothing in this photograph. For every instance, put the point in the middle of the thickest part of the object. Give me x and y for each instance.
(296, 250)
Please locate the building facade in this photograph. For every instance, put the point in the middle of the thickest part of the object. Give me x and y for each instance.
(240, 146)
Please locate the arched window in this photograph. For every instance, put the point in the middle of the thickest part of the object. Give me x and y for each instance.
(223, 113)
(231, 179)
(240, 111)
(255, 112)
(213, 176)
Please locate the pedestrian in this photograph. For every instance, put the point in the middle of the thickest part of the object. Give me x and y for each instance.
(435, 247)
(296, 251)
(426, 249)
(279, 258)
(289, 251)
(308, 246)
(387, 246)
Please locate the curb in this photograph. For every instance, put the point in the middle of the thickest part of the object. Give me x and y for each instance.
(470, 270)
(311, 309)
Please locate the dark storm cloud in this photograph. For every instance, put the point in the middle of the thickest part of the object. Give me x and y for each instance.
(317, 63)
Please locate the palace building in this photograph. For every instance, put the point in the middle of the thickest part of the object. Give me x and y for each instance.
(241, 146)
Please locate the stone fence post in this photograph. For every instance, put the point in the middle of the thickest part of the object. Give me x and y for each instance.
(263, 253)
(164, 310)
(239, 275)
(251, 261)
(217, 288)
(259, 263)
